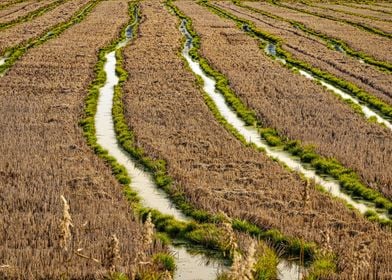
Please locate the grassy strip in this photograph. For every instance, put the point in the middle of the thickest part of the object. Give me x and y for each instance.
(293, 246)
(372, 101)
(32, 14)
(14, 53)
(320, 264)
(349, 180)
(207, 235)
(343, 11)
(119, 171)
(382, 65)
(355, 24)
(368, 7)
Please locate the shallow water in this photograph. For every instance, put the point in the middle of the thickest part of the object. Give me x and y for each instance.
(142, 181)
(251, 135)
(189, 266)
(368, 112)
(339, 48)
(286, 270)
(289, 271)
(203, 268)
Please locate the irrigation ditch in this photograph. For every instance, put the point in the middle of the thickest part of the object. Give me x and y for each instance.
(360, 106)
(330, 41)
(252, 135)
(106, 132)
(380, 207)
(11, 55)
(358, 25)
(189, 264)
(362, 102)
(340, 11)
(197, 259)
(32, 14)
(202, 243)
(10, 3)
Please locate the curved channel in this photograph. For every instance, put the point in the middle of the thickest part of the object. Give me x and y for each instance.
(190, 266)
(286, 270)
(252, 135)
(270, 49)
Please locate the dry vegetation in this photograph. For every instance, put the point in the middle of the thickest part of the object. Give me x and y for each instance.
(216, 172)
(374, 45)
(23, 32)
(6, 3)
(381, 7)
(316, 53)
(9, 9)
(383, 24)
(361, 10)
(22, 9)
(292, 104)
(62, 213)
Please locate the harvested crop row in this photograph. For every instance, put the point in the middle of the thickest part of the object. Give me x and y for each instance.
(362, 10)
(26, 8)
(317, 54)
(6, 3)
(383, 6)
(44, 155)
(215, 171)
(373, 45)
(385, 25)
(374, 9)
(16, 35)
(290, 103)
(7, 10)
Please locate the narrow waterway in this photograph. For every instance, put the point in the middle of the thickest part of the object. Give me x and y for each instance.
(252, 135)
(190, 266)
(286, 270)
(270, 49)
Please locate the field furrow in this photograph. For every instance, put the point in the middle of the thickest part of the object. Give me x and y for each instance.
(372, 11)
(382, 4)
(20, 12)
(9, 10)
(7, 3)
(371, 44)
(295, 106)
(44, 155)
(21, 33)
(170, 120)
(382, 24)
(315, 52)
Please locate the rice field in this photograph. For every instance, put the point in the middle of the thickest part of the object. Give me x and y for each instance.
(185, 139)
